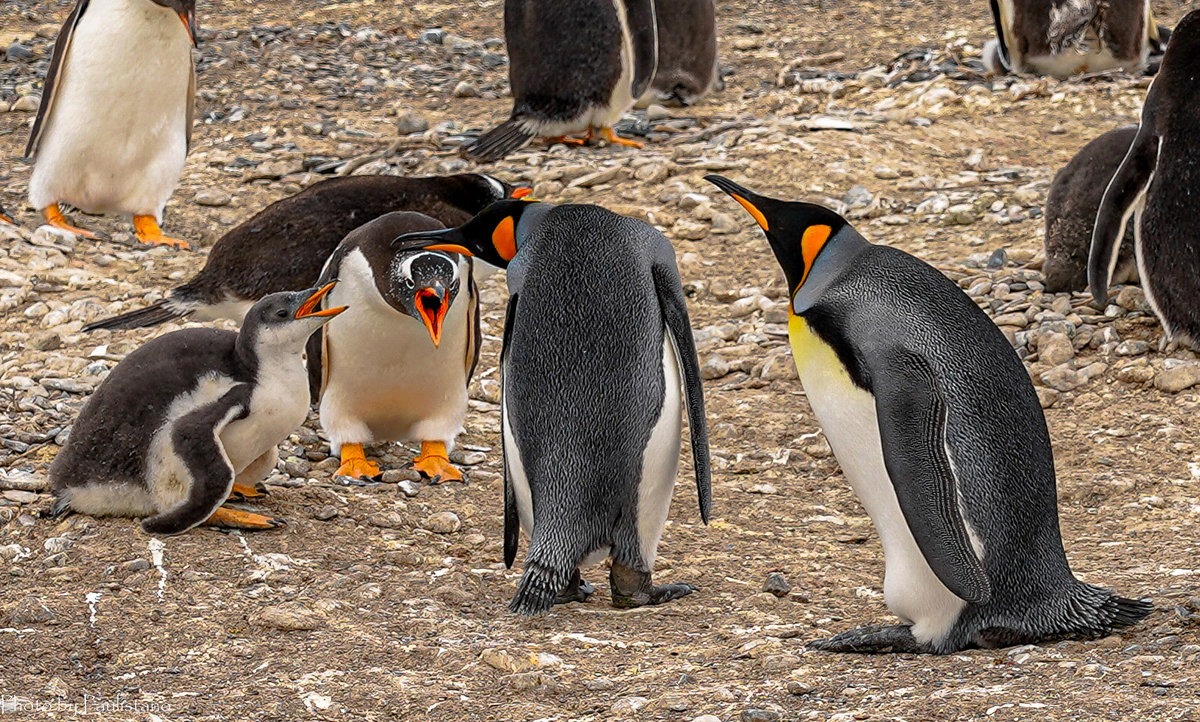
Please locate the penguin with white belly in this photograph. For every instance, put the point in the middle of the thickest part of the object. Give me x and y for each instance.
(396, 365)
(936, 426)
(597, 364)
(191, 419)
(115, 120)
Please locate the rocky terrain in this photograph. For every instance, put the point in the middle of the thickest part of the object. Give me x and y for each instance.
(387, 601)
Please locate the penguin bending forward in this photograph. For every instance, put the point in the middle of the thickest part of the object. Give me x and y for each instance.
(937, 428)
(597, 364)
(192, 419)
(1155, 185)
(574, 66)
(396, 365)
(115, 120)
(687, 67)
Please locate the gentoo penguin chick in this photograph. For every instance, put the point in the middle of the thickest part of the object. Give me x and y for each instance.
(1071, 207)
(687, 53)
(115, 120)
(596, 365)
(190, 419)
(574, 66)
(396, 366)
(1156, 186)
(937, 428)
(1060, 38)
(285, 245)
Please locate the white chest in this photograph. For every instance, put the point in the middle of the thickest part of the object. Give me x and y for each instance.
(278, 406)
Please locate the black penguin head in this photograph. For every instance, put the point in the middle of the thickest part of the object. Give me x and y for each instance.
(797, 231)
(423, 285)
(493, 236)
(186, 9)
(286, 320)
(1181, 59)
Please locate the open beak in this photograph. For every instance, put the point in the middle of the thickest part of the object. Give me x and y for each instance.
(432, 304)
(189, 22)
(307, 309)
(519, 193)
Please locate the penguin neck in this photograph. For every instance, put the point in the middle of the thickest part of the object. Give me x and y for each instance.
(838, 255)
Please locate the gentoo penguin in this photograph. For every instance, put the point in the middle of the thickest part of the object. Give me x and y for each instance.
(1064, 37)
(1071, 207)
(596, 365)
(575, 66)
(396, 365)
(285, 245)
(937, 428)
(115, 120)
(1155, 185)
(190, 419)
(687, 67)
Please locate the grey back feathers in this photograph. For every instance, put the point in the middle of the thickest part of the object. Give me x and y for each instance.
(687, 68)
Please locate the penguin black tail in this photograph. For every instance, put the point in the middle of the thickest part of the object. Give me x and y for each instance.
(499, 141)
(1094, 612)
(152, 315)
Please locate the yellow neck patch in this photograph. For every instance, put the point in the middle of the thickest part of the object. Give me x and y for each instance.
(811, 243)
(504, 239)
(816, 361)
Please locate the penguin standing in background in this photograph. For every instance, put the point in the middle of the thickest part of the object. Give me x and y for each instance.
(574, 66)
(192, 419)
(285, 245)
(1060, 38)
(937, 428)
(1071, 207)
(115, 121)
(687, 67)
(396, 365)
(596, 366)
(1155, 185)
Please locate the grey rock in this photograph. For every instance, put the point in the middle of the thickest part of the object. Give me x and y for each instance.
(759, 715)
(17, 52)
(409, 122)
(433, 36)
(777, 585)
(465, 90)
(1177, 378)
(858, 197)
(326, 513)
(137, 565)
(443, 522)
(212, 198)
(30, 610)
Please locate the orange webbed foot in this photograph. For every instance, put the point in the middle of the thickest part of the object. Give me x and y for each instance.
(226, 518)
(609, 135)
(147, 231)
(241, 491)
(55, 218)
(565, 140)
(434, 463)
(355, 464)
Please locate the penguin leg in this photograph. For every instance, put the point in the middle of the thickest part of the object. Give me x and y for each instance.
(576, 590)
(355, 464)
(434, 463)
(54, 217)
(882, 639)
(248, 484)
(608, 134)
(632, 588)
(227, 518)
(565, 140)
(147, 231)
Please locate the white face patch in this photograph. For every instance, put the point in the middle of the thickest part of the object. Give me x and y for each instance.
(497, 185)
(404, 272)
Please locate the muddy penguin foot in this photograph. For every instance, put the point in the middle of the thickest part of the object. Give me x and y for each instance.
(577, 590)
(631, 588)
(896, 638)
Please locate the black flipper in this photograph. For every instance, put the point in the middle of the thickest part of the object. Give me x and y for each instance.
(512, 521)
(1124, 190)
(62, 45)
(674, 310)
(499, 141)
(195, 440)
(643, 30)
(912, 426)
(1005, 57)
(152, 315)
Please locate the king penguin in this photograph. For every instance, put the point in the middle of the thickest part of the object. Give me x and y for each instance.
(285, 245)
(574, 66)
(115, 120)
(396, 365)
(1155, 185)
(192, 419)
(596, 366)
(1071, 207)
(687, 68)
(937, 428)
(1060, 38)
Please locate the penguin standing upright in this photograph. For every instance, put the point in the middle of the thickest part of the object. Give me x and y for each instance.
(1071, 207)
(286, 244)
(396, 365)
(574, 66)
(1156, 186)
(1064, 37)
(115, 121)
(597, 362)
(937, 428)
(191, 419)
(687, 67)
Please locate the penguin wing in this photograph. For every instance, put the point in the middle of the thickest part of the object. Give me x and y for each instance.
(912, 427)
(512, 522)
(62, 46)
(1125, 191)
(191, 101)
(998, 21)
(474, 332)
(674, 310)
(643, 31)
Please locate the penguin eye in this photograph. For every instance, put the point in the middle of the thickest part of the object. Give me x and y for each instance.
(281, 313)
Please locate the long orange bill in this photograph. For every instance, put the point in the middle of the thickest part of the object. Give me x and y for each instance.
(451, 247)
(519, 193)
(307, 309)
(432, 316)
(189, 22)
(6, 219)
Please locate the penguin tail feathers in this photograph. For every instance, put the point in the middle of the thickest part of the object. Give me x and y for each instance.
(539, 586)
(152, 315)
(1069, 23)
(1094, 612)
(1126, 612)
(499, 141)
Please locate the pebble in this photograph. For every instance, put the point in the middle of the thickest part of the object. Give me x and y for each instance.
(137, 565)
(20, 497)
(517, 661)
(628, 706)
(706, 718)
(443, 522)
(1182, 376)
(291, 618)
(777, 585)
(408, 122)
(25, 104)
(1056, 349)
(466, 90)
(759, 715)
(326, 513)
(30, 610)
(211, 198)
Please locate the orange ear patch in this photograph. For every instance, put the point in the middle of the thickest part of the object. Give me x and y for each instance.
(811, 243)
(504, 238)
(754, 212)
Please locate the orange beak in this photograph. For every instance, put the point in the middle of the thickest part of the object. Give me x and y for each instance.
(189, 22)
(432, 307)
(451, 247)
(519, 193)
(306, 309)
(6, 219)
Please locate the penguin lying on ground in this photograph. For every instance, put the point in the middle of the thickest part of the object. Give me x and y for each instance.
(286, 244)
(1065, 37)
(1156, 185)
(596, 336)
(937, 428)
(396, 365)
(115, 120)
(574, 66)
(1071, 208)
(687, 67)
(192, 418)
